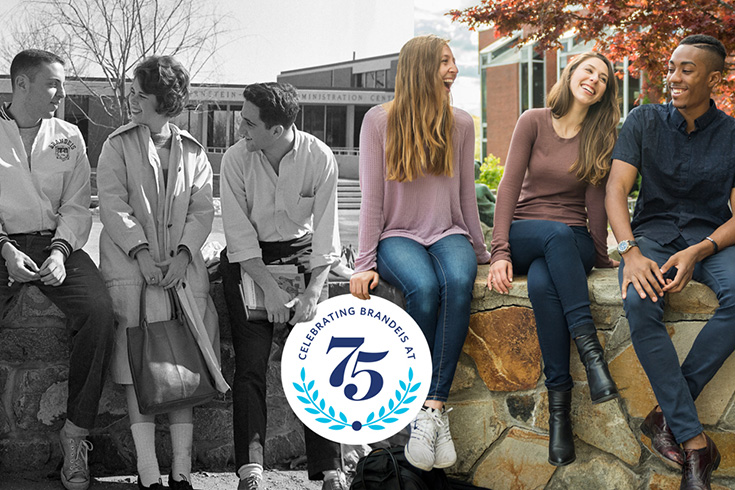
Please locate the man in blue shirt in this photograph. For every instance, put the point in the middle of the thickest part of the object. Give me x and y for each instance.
(682, 228)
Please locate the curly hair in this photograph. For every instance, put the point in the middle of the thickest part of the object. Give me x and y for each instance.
(168, 80)
(278, 102)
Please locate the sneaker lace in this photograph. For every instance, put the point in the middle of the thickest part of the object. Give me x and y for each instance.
(442, 423)
(424, 426)
(79, 456)
(252, 482)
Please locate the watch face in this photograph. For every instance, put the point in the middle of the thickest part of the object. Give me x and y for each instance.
(623, 246)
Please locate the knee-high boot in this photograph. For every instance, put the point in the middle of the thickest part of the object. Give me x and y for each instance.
(602, 386)
(561, 439)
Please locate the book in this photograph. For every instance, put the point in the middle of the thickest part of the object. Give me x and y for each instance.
(288, 278)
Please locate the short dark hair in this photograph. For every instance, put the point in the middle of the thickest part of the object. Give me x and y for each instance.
(713, 46)
(28, 62)
(278, 102)
(168, 80)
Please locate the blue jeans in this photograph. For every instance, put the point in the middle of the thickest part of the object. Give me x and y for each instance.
(556, 258)
(436, 282)
(676, 387)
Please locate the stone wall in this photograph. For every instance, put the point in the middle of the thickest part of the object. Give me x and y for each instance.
(499, 417)
(500, 421)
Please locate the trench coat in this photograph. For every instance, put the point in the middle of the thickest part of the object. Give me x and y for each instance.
(137, 208)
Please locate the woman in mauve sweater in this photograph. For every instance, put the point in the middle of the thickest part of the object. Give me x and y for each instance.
(419, 225)
(550, 224)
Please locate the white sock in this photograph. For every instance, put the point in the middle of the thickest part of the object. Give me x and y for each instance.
(250, 469)
(182, 438)
(144, 437)
(70, 429)
(331, 475)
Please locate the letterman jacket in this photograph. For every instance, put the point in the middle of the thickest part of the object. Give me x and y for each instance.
(52, 192)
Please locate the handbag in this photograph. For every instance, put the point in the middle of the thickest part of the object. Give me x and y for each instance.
(168, 368)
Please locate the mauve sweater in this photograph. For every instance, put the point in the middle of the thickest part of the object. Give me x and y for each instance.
(425, 209)
(537, 184)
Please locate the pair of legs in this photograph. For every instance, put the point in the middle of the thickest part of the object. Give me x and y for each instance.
(677, 386)
(556, 258)
(436, 282)
(252, 344)
(84, 299)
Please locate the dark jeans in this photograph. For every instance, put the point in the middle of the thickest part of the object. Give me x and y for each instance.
(252, 343)
(556, 258)
(84, 299)
(436, 282)
(677, 386)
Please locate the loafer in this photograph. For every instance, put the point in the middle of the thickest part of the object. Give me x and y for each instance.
(662, 439)
(699, 465)
(183, 484)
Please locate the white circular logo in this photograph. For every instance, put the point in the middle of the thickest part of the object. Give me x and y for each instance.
(359, 372)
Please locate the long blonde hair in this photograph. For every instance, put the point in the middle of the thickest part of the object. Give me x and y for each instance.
(420, 118)
(599, 128)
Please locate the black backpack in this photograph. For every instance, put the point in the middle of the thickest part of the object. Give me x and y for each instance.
(386, 469)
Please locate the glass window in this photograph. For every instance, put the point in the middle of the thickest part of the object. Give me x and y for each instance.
(370, 79)
(314, 120)
(524, 87)
(336, 125)
(380, 77)
(538, 84)
(357, 79)
(236, 120)
(217, 127)
(360, 111)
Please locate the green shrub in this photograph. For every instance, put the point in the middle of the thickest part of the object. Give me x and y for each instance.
(490, 172)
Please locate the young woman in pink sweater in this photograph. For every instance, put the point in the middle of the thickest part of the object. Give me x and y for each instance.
(550, 224)
(419, 225)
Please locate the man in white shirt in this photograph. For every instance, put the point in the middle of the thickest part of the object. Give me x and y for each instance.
(279, 205)
(44, 222)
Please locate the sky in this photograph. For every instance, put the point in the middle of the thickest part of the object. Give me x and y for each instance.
(267, 37)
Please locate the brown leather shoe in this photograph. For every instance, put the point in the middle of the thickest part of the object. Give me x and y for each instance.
(662, 440)
(700, 463)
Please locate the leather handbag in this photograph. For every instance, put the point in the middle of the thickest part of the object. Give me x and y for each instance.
(168, 368)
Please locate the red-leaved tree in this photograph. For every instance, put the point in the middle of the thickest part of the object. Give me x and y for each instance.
(646, 31)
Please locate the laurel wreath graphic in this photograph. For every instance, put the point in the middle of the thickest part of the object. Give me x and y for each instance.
(319, 406)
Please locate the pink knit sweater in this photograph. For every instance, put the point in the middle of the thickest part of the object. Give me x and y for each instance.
(537, 184)
(425, 209)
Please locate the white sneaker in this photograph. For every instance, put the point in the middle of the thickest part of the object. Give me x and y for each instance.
(420, 448)
(445, 455)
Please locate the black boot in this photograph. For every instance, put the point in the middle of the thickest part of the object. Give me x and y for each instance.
(561, 439)
(602, 386)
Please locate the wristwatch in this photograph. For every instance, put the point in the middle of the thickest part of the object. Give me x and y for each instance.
(626, 245)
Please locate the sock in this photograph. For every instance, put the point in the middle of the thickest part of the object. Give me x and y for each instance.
(250, 469)
(332, 475)
(144, 437)
(182, 438)
(70, 429)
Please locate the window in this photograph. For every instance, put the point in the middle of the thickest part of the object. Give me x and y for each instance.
(532, 79)
(222, 124)
(314, 120)
(191, 120)
(335, 126)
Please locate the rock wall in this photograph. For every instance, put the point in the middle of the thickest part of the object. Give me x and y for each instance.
(499, 417)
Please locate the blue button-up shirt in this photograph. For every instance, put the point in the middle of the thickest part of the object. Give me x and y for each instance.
(687, 178)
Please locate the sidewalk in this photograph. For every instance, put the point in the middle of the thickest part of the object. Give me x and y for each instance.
(274, 480)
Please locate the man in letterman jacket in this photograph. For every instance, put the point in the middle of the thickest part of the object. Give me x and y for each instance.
(44, 222)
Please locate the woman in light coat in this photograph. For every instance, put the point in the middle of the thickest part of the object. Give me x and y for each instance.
(155, 188)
